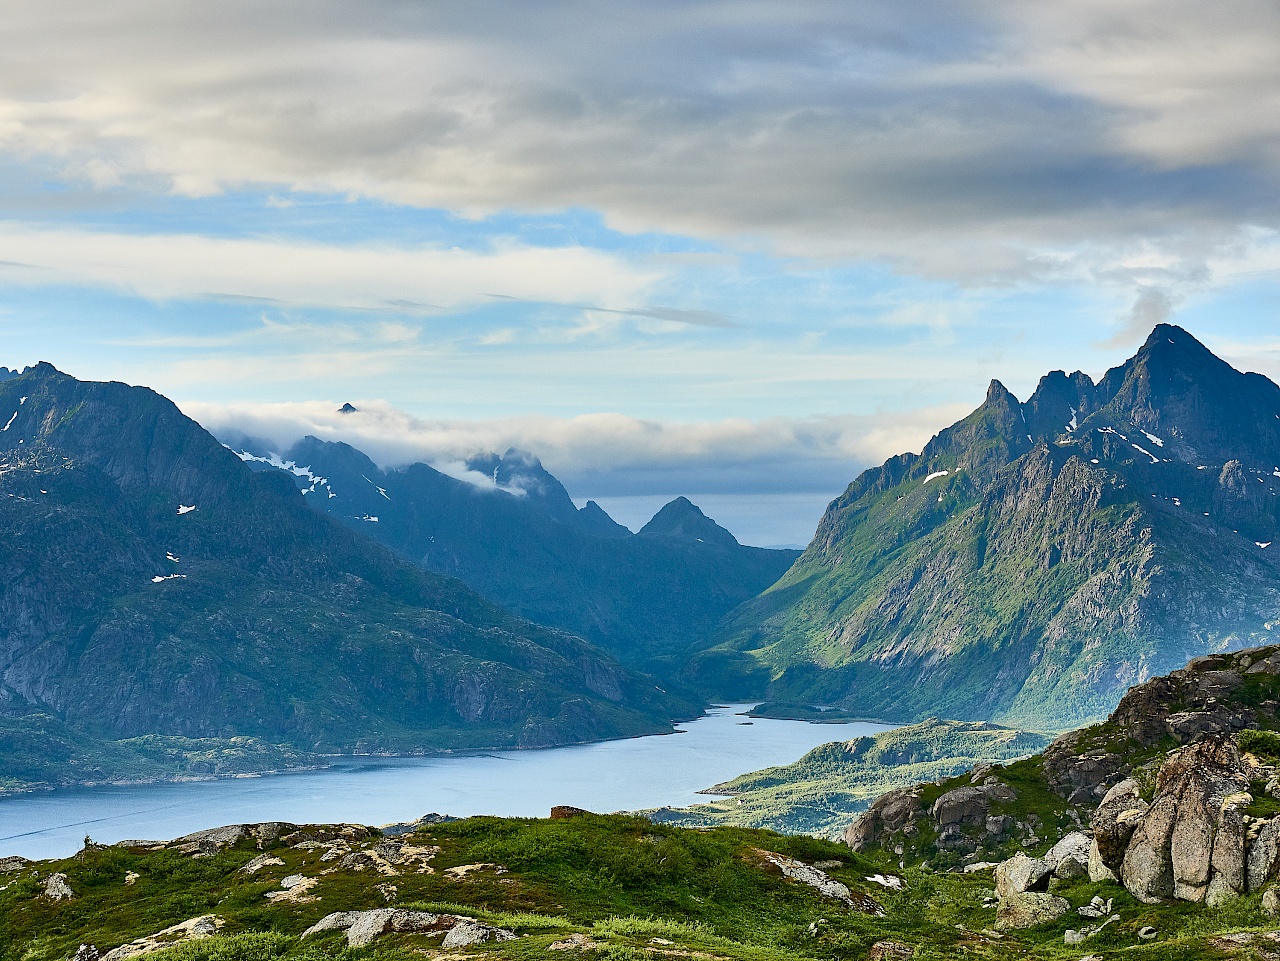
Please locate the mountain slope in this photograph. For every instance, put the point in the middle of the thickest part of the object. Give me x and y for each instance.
(150, 583)
(647, 597)
(1036, 559)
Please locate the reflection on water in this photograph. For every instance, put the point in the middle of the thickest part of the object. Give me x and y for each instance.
(610, 776)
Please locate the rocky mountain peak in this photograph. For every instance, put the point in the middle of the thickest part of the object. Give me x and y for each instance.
(681, 518)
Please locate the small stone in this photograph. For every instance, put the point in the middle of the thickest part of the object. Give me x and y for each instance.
(1147, 933)
(131, 876)
(1271, 902)
(467, 932)
(86, 952)
(292, 881)
(1073, 937)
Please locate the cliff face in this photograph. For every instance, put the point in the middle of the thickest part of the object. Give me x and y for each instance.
(150, 583)
(1036, 559)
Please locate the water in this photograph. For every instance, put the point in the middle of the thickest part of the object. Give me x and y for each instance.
(624, 775)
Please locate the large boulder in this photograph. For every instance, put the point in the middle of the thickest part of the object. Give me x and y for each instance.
(888, 814)
(1191, 840)
(1069, 858)
(963, 805)
(1264, 857)
(1028, 909)
(1020, 874)
(1113, 825)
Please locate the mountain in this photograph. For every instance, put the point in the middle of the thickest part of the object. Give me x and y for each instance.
(521, 542)
(1035, 559)
(152, 584)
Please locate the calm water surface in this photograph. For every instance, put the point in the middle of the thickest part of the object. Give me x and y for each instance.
(612, 776)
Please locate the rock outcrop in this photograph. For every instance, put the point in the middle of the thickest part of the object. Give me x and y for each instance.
(1190, 844)
(362, 927)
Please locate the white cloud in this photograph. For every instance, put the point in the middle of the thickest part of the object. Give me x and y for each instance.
(990, 142)
(607, 453)
(362, 277)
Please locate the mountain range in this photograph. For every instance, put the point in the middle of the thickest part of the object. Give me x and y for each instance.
(647, 597)
(152, 584)
(1037, 558)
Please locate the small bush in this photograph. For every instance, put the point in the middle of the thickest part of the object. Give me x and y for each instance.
(1263, 744)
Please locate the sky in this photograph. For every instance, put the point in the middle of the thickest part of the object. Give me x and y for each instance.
(734, 250)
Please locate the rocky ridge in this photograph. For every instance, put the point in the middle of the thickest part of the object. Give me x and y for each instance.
(1175, 797)
(1038, 558)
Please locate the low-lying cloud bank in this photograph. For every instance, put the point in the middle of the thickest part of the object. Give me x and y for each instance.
(607, 454)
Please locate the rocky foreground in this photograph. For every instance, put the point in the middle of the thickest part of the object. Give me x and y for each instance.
(1174, 799)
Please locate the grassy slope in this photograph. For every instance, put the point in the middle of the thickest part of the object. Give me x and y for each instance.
(638, 890)
(820, 793)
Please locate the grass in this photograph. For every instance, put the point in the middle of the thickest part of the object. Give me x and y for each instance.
(638, 891)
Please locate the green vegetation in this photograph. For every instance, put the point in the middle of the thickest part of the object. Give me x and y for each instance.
(821, 793)
(628, 889)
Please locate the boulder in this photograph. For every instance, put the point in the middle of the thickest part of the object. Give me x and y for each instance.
(963, 805)
(195, 929)
(1070, 856)
(1113, 825)
(468, 932)
(1028, 909)
(1098, 870)
(57, 889)
(1020, 874)
(1191, 840)
(1271, 902)
(10, 864)
(1264, 857)
(891, 812)
(562, 811)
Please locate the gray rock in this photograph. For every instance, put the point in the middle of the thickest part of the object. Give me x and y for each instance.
(1264, 856)
(10, 864)
(362, 927)
(57, 889)
(1113, 825)
(468, 932)
(1028, 909)
(87, 952)
(1098, 870)
(1190, 843)
(1021, 873)
(963, 805)
(1271, 902)
(1070, 856)
(1147, 933)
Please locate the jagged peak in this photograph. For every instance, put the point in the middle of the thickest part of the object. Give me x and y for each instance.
(682, 518)
(998, 393)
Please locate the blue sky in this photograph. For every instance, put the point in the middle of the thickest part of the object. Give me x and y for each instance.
(735, 250)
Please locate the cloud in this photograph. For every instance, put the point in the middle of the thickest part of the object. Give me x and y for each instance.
(607, 454)
(1152, 306)
(987, 142)
(354, 276)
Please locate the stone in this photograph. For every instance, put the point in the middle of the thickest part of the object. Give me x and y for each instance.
(804, 873)
(999, 824)
(1070, 856)
(195, 929)
(963, 805)
(979, 866)
(87, 952)
(362, 927)
(260, 862)
(1264, 856)
(1071, 936)
(562, 811)
(1020, 874)
(1030, 908)
(889, 951)
(893, 811)
(57, 889)
(1098, 870)
(11, 864)
(468, 932)
(292, 881)
(1113, 824)
(1190, 844)
(1147, 933)
(1271, 902)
